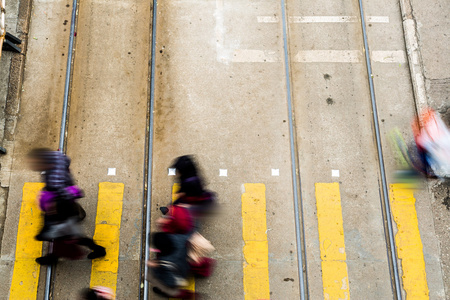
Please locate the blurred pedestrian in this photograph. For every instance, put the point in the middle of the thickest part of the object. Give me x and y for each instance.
(178, 219)
(58, 203)
(168, 272)
(98, 293)
(58, 198)
(432, 139)
(192, 189)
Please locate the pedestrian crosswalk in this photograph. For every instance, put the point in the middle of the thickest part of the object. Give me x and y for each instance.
(107, 233)
(332, 243)
(408, 241)
(256, 265)
(25, 278)
(254, 233)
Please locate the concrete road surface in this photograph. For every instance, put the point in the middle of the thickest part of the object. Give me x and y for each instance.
(265, 101)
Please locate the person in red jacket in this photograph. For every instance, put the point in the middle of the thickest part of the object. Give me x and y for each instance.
(177, 220)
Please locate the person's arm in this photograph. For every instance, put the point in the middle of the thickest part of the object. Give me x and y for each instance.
(58, 176)
(56, 182)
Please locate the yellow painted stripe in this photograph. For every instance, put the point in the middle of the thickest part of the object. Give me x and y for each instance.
(332, 244)
(175, 188)
(408, 242)
(107, 234)
(191, 286)
(254, 233)
(26, 271)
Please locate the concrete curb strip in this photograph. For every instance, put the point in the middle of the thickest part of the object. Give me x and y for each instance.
(414, 56)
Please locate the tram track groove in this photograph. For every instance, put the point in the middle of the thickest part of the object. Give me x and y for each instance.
(384, 195)
(296, 179)
(298, 207)
(50, 273)
(49, 278)
(147, 201)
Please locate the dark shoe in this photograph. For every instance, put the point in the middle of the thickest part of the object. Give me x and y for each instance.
(98, 252)
(40, 237)
(47, 260)
(158, 291)
(47, 236)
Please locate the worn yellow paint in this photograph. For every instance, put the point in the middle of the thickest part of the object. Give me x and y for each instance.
(332, 243)
(408, 242)
(26, 271)
(191, 285)
(175, 188)
(107, 234)
(254, 233)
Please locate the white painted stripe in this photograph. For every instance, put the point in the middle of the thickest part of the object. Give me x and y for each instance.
(378, 19)
(247, 55)
(329, 56)
(219, 29)
(268, 19)
(398, 56)
(323, 19)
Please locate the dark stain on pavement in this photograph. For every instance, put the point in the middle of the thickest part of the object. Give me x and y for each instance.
(446, 202)
(327, 76)
(330, 101)
(441, 192)
(289, 279)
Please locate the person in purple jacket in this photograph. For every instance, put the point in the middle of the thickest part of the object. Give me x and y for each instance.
(58, 197)
(57, 200)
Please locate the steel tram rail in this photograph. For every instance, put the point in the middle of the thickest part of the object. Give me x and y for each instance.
(148, 185)
(296, 177)
(63, 131)
(390, 242)
(384, 196)
(296, 180)
(63, 135)
(298, 208)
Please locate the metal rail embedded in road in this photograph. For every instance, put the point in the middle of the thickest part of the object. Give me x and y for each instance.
(62, 135)
(296, 181)
(298, 207)
(386, 206)
(148, 200)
